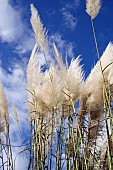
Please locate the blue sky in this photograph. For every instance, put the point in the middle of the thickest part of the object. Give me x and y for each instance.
(68, 25)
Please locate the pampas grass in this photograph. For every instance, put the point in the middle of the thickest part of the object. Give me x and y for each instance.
(4, 116)
(54, 96)
(94, 85)
(39, 30)
(51, 95)
(93, 98)
(6, 154)
(61, 135)
(93, 7)
(72, 79)
(96, 98)
(58, 58)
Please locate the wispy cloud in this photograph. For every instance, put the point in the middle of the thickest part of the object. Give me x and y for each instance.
(66, 48)
(69, 19)
(72, 4)
(12, 27)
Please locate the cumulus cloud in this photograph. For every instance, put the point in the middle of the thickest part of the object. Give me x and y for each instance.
(13, 29)
(10, 22)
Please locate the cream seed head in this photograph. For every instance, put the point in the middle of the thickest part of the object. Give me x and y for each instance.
(73, 80)
(39, 30)
(4, 117)
(93, 7)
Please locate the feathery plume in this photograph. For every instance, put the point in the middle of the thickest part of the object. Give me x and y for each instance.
(49, 94)
(39, 30)
(93, 7)
(33, 71)
(73, 80)
(94, 84)
(92, 101)
(52, 88)
(15, 113)
(4, 118)
(34, 79)
(72, 77)
(58, 57)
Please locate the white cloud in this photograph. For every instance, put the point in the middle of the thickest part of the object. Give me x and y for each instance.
(72, 4)
(41, 59)
(69, 19)
(65, 48)
(13, 29)
(10, 22)
(15, 89)
(26, 44)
